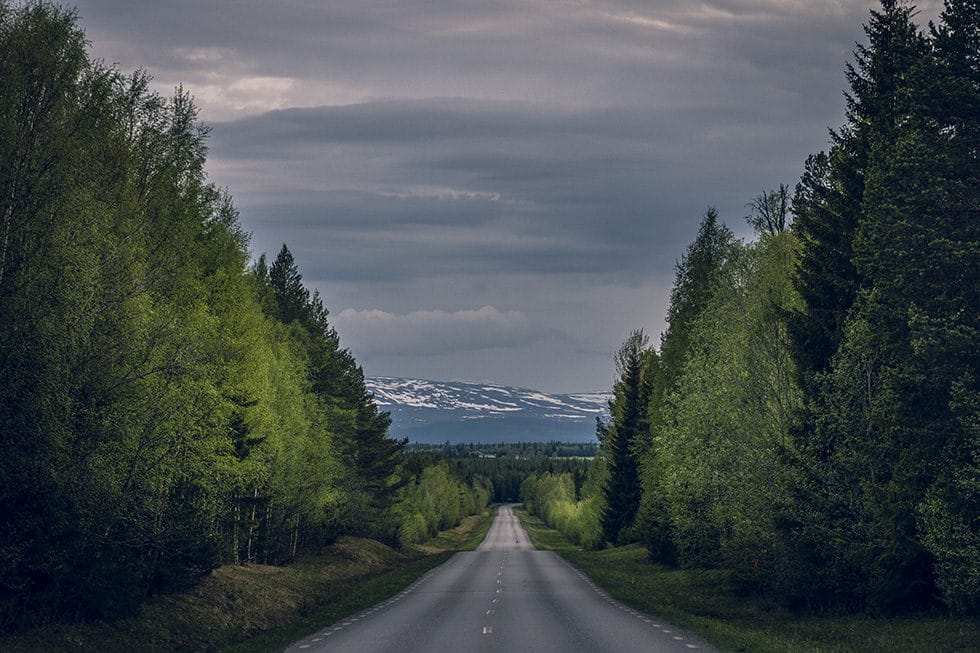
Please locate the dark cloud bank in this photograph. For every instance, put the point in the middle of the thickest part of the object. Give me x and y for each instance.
(494, 190)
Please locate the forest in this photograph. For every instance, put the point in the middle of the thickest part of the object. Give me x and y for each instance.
(809, 416)
(507, 465)
(172, 403)
(168, 406)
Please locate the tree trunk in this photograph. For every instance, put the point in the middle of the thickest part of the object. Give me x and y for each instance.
(268, 525)
(234, 537)
(295, 537)
(251, 526)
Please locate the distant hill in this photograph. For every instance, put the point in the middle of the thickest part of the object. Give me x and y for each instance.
(440, 411)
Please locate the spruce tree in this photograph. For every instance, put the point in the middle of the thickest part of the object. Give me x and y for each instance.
(292, 297)
(696, 276)
(944, 326)
(696, 273)
(622, 439)
(828, 204)
(883, 362)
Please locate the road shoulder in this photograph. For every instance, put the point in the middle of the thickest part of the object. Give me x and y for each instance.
(709, 602)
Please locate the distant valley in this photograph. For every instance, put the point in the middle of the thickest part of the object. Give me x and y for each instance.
(441, 411)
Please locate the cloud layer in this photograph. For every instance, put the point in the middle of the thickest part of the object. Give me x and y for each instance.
(546, 160)
(425, 333)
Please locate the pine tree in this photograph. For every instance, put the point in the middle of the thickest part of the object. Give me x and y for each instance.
(370, 458)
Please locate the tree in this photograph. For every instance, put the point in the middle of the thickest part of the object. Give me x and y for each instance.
(693, 281)
(358, 430)
(628, 426)
(944, 326)
(726, 423)
(770, 211)
(884, 393)
(292, 297)
(828, 203)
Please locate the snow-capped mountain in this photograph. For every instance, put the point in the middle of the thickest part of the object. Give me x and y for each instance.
(437, 411)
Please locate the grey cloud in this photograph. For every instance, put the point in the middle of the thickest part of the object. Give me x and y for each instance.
(375, 331)
(391, 122)
(496, 186)
(583, 53)
(440, 119)
(547, 157)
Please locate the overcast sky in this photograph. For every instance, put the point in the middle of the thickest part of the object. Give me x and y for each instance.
(493, 190)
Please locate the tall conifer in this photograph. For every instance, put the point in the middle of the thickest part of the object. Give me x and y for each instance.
(622, 439)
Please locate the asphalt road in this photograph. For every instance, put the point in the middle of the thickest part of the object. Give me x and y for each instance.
(505, 596)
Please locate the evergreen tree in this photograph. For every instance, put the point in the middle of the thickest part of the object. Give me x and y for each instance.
(695, 279)
(620, 442)
(916, 320)
(370, 458)
(943, 324)
(292, 297)
(265, 295)
(695, 275)
(884, 390)
(828, 204)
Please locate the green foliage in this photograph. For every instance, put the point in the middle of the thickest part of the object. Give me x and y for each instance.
(165, 408)
(693, 285)
(697, 276)
(813, 422)
(714, 603)
(369, 460)
(118, 271)
(727, 423)
(886, 432)
(577, 515)
(506, 465)
(435, 500)
(624, 437)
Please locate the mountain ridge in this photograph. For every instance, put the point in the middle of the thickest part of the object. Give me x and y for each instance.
(459, 411)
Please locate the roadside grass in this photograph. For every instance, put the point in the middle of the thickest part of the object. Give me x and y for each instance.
(350, 599)
(465, 537)
(258, 607)
(710, 603)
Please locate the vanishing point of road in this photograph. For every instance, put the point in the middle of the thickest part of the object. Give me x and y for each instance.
(507, 597)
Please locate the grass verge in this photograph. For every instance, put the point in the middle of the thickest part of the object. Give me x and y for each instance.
(369, 592)
(465, 537)
(710, 603)
(262, 608)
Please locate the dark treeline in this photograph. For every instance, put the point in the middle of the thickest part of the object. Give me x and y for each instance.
(553, 449)
(166, 407)
(809, 419)
(505, 466)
